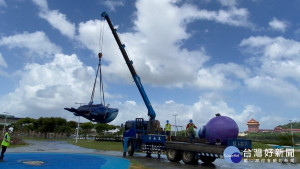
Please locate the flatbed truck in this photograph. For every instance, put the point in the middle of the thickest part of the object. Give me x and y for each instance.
(145, 135)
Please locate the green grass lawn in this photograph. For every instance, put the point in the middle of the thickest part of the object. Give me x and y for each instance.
(99, 145)
(260, 145)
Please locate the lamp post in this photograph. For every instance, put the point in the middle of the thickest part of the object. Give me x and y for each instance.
(5, 121)
(292, 132)
(77, 131)
(175, 123)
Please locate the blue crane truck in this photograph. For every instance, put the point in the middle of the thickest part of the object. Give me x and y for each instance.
(146, 135)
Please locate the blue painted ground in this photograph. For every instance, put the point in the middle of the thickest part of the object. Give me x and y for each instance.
(63, 161)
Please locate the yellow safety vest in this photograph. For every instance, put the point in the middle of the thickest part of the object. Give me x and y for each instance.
(168, 127)
(6, 143)
(191, 127)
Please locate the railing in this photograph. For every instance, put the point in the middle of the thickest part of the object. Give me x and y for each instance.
(114, 139)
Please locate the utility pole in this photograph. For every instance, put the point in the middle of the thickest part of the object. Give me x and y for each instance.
(292, 132)
(5, 122)
(77, 131)
(175, 123)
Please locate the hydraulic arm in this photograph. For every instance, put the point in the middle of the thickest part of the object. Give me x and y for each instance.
(137, 80)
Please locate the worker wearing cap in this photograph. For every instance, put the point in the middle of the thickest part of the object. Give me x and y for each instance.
(190, 130)
(168, 130)
(5, 143)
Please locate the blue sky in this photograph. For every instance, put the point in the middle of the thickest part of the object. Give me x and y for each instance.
(195, 58)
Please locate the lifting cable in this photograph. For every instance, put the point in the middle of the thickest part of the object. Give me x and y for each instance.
(99, 66)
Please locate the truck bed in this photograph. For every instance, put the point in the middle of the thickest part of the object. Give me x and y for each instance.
(195, 147)
(199, 145)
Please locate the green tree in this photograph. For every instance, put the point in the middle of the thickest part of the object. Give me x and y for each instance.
(72, 124)
(295, 125)
(86, 128)
(65, 129)
(44, 125)
(101, 127)
(59, 125)
(120, 130)
(24, 125)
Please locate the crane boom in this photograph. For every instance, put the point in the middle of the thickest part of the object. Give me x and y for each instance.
(136, 78)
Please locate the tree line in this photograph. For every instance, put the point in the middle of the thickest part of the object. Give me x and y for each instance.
(59, 128)
(294, 125)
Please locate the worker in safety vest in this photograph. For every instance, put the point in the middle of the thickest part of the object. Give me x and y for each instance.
(190, 130)
(168, 130)
(5, 143)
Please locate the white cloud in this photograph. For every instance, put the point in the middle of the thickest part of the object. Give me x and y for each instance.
(210, 104)
(3, 3)
(278, 56)
(279, 88)
(249, 112)
(45, 89)
(156, 50)
(129, 111)
(112, 4)
(151, 55)
(277, 69)
(278, 25)
(233, 17)
(221, 76)
(130, 102)
(36, 43)
(56, 19)
(230, 15)
(170, 102)
(42, 4)
(2, 61)
(88, 32)
(159, 58)
(150, 45)
(270, 122)
(230, 3)
(206, 107)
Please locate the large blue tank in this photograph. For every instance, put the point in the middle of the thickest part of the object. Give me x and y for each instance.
(219, 129)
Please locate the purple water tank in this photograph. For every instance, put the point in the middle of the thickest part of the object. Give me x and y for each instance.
(220, 129)
(201, 132)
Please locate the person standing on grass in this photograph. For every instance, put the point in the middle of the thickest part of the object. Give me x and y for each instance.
(5, 143)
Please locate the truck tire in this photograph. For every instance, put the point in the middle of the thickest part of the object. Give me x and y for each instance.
(207, 160)
(188, 157)
(173, 155)
(130, 149)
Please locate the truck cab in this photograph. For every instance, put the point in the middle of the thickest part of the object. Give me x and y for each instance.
(139, 136)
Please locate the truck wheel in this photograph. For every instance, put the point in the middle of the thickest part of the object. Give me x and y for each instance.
(206, 159)
(130, 149)
(173, 155)
(188, 157)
